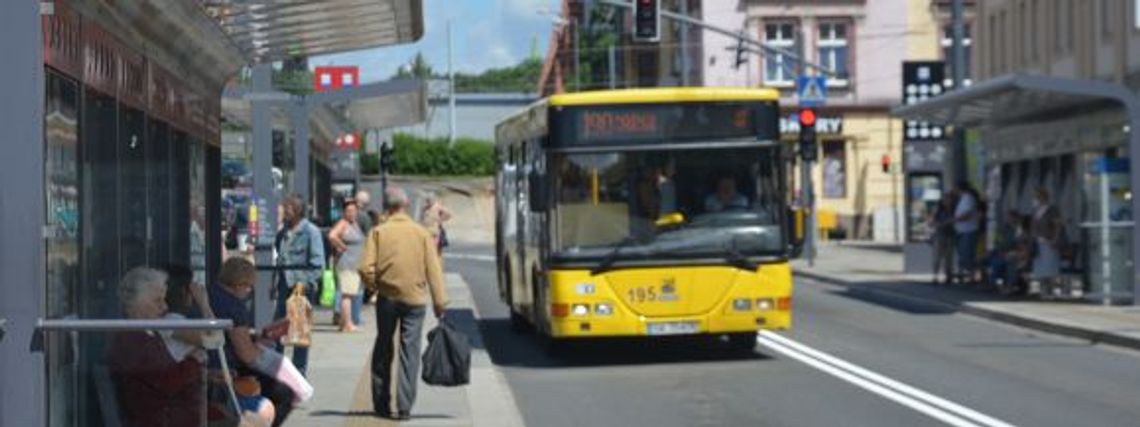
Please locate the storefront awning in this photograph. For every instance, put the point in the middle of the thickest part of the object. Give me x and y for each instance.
(269, 31)
(1012, 98)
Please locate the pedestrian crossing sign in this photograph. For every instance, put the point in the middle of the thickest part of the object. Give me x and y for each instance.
(811, 91)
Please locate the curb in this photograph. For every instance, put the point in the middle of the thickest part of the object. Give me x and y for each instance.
(1093, 336)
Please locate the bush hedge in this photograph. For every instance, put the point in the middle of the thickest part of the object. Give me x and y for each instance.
(433, 157)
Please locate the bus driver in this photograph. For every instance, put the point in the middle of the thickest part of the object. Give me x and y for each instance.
(726, 197)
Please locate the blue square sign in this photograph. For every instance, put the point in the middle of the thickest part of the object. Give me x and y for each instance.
(811, 91)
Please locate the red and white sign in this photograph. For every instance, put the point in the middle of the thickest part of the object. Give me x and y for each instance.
(348, 142)
(335, 78)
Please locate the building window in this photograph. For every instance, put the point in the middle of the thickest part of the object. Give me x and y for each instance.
(834, 169)
(834, 50)
(948, 53)
(779, 70)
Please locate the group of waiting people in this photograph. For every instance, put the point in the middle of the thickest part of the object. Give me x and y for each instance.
(159, 375)
(1029, 249)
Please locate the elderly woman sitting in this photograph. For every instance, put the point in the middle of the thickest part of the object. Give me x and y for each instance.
(158, 384)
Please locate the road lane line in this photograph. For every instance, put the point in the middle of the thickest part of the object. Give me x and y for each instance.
(898, 397)
(472, 257)
(909, 390)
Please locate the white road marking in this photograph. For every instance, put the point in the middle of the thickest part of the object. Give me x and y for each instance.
(909, 396)
(473, 257)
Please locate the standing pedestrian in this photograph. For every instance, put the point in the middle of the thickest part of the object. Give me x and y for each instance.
(942, 224)
(967, 216)
(366, 213)
(347, 240)
(433, 217)
(401, 263)
(300, 259)
(1047, 230)
(366, 217)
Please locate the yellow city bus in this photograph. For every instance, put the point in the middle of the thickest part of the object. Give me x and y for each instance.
(645, 212)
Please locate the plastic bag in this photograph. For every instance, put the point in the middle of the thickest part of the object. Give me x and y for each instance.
(447, 360)
(299, 311)
(328, 288)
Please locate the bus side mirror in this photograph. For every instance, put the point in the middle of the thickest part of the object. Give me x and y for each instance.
(537, 194)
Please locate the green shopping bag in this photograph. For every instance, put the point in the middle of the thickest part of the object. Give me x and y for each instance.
(328, 288)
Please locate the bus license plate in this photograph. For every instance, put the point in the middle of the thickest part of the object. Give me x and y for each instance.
(672, 328)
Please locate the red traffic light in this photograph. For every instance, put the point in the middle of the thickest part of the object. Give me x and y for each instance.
(807, 117)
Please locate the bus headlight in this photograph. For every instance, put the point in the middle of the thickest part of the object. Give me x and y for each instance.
(604, 309)
(580, 310)
(742, 304)
(765, 304)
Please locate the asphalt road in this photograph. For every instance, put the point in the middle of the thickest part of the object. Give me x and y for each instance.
(851, 360)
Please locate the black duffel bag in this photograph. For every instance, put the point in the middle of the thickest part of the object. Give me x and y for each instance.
(447, 360)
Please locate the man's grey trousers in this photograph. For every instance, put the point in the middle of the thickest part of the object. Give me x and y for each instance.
(396, 356)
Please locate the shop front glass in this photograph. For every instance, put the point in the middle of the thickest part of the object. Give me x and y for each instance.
(123, 189)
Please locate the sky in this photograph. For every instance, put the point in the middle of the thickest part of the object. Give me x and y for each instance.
(485, 34)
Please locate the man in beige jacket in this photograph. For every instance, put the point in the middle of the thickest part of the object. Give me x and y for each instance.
(401, 264)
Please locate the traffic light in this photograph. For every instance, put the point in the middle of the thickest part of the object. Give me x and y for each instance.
(808, 149)
(886, 163)
(387, 158)
(741, 58)
(647, 21)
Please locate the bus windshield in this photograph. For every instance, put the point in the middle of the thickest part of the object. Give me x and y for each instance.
(683, 203)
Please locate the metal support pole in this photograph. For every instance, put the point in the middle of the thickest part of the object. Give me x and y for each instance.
(264, 193)
(450, 89)
(684, 44)
(299, 116)
(22, 372)
(577, 60)
(959, 76)
(808, 186)
(613, 67)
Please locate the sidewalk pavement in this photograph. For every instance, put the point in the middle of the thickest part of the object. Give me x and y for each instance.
(339, 372)
(880, 272)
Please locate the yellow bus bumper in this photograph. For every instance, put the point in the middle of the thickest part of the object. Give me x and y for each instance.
(600, 306)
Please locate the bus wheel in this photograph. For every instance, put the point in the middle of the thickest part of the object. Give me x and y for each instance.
(742, 343)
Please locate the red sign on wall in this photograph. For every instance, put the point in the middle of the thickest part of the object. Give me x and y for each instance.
(334, 78)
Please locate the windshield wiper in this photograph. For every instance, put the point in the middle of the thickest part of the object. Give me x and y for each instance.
(738, 260)
(611, 257)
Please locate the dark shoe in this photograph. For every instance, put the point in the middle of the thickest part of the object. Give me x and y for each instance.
(404, 416)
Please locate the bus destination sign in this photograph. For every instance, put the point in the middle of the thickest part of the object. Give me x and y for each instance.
(663, 123)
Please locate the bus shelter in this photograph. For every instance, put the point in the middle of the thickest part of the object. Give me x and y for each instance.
(1075, 138)
(112, 117)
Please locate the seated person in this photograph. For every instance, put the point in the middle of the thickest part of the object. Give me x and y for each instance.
(187, 299)
(255, 359)
(156, 384)
(726, 197)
